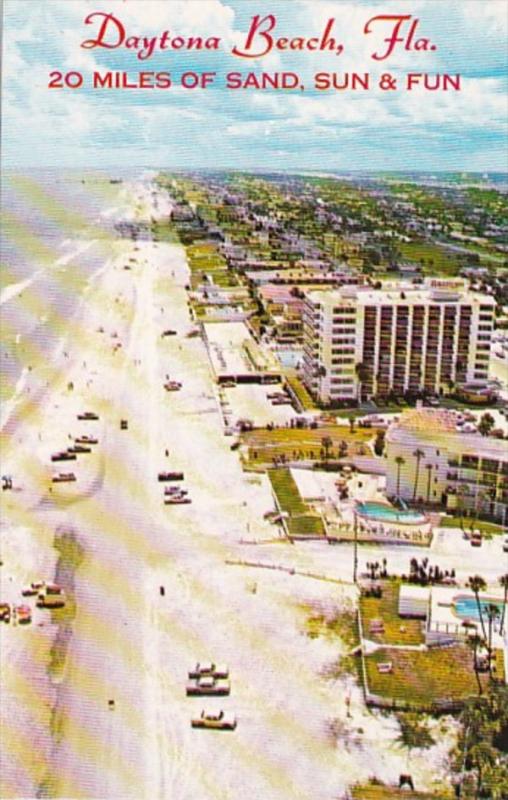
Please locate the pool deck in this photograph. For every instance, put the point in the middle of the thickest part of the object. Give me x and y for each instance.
(443, 617)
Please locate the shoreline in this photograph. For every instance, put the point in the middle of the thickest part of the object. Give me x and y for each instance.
(28, 373)
(28, 412)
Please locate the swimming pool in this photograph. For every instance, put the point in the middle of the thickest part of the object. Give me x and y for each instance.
(385, 513)
(466, 608)
(289, 358)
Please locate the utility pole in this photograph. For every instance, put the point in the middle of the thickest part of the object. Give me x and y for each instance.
(355, 548)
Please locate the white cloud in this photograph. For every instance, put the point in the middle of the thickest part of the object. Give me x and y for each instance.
(63, 120)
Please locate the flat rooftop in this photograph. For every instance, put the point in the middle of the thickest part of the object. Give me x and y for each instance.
(399, 293)
(233, 350)
(439, 425)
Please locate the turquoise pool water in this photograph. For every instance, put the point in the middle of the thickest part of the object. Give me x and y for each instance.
(384, 513)
(289, 358)
(465, 607)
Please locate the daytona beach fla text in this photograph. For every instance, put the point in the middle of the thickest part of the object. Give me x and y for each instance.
(261, 39)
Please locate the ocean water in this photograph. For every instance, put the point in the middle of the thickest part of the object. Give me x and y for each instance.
(49, 218)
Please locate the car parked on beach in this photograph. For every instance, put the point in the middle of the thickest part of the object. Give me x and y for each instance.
(203, 668)
(5, 612)
(216, 722)
(51, 588)
(64, 477)
(172, 386)
(63, 456)
(88, 415)
(23, 614)
(170, 476)
(177, 500)
(52, 596)
(168, 332)
(34, 588)
(79, 448)
(86, 440)
(172, 490)
(208, 685)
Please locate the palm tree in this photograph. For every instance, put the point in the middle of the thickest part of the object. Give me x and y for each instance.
(462, 493)
(486, 424)
(343, 448)
(418, 454)
(483, 758)
(475, 642)
(428, 467)
(327, 443)
(503, 580)
(399, 461)
(477, 585)
(493, 613)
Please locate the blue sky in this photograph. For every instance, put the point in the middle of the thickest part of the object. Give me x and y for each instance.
(248, 129)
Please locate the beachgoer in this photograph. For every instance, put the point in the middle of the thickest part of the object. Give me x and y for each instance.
(348, 706)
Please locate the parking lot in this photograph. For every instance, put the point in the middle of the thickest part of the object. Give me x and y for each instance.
(250, 401)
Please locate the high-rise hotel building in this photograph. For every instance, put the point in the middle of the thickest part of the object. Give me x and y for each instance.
(361, 342)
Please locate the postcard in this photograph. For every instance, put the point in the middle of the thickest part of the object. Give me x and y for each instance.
(254, 422)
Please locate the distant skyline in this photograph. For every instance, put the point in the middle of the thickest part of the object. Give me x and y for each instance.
(244, 129)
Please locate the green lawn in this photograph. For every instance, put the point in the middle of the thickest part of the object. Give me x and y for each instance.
(300, 521)
(286, 491)
(437, 259)
(377, 792)
(396, 629)
(306, 525)
(422, 678)
(301, 392)
(304, 443)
